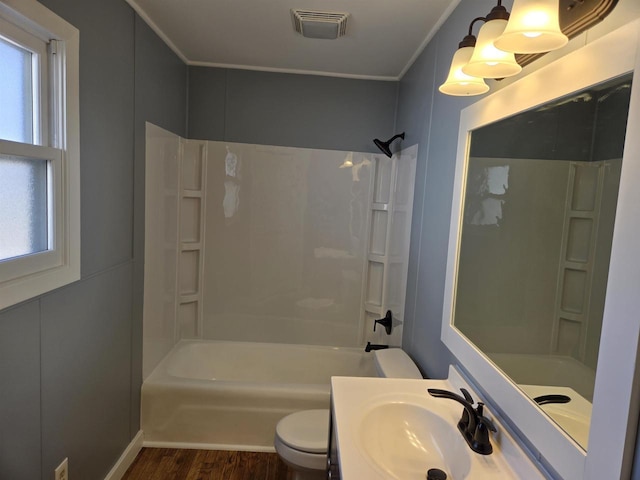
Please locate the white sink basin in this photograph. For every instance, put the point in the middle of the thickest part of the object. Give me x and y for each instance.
(387, 428)
(405, 440)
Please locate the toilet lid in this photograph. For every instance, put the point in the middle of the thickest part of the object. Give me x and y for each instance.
(307, 431)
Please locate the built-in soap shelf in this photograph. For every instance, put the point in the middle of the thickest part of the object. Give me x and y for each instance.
(191, 193)
(388, 247)
(191, 215)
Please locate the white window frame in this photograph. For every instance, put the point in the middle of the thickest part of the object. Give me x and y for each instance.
(56, 140)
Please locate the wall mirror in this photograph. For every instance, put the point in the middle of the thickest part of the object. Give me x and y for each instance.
(539, 254)
(539, 207)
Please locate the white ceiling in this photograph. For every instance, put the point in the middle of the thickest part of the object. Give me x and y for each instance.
(383, 36)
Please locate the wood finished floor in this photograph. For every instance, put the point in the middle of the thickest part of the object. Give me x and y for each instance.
(170, 464)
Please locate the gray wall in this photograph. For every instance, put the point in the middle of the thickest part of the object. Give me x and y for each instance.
(290, 110)
(431, 119)
(70, 360)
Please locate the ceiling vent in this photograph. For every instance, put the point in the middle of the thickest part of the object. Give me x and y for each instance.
(314, 24)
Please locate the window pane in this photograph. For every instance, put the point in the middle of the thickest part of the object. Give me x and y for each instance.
(23, 206)
(16, 93)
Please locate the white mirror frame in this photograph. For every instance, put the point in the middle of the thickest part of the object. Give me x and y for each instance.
(615, 405)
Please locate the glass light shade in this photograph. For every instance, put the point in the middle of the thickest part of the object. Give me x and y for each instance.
(487, 61)
(533, 27)
(461, 84)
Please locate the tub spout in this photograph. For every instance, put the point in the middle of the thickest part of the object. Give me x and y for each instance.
(372, 346)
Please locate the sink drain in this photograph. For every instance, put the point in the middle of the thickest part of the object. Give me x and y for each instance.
(436, 474)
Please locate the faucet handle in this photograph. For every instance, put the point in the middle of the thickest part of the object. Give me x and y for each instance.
(386, 322)
(439, 393)
(467, 395)
(484, 420)
(487, 423)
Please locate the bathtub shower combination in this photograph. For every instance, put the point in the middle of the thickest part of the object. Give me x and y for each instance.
(231, 395)
(259, 258)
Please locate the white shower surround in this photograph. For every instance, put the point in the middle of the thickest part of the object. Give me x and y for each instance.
(272, 244)
(286, 244)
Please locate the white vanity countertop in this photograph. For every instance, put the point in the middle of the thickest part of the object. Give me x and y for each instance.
(353, 398)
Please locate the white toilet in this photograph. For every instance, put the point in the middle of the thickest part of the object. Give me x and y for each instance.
(302, 437)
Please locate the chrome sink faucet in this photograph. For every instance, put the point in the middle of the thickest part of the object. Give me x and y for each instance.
(473, 425)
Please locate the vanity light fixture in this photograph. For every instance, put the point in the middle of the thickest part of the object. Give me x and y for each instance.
(457, 82)
(488, 61)
(534, 27)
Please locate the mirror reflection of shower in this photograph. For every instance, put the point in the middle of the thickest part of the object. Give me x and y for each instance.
(348, 161)
(231, 201)
(539, 210)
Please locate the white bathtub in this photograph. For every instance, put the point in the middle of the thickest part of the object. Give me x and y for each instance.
(230, 395)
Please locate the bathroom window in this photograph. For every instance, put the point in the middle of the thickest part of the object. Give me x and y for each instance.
(39, 152)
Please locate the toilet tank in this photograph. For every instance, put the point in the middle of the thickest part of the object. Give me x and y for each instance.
(395, 363)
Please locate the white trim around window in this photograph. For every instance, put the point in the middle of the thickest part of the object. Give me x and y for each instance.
(57, 142)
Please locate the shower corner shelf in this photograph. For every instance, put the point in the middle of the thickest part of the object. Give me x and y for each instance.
(189, 298)
(190, 246)
(191, 234)
(380, 207)
(385, 283)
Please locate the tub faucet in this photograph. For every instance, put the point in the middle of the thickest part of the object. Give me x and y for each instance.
(372, 346)
(473, 425)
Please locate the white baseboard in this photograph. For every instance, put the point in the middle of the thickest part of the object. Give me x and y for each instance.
(210, 446)
(127, 458)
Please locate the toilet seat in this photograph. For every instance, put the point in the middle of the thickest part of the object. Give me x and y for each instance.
(306, 431)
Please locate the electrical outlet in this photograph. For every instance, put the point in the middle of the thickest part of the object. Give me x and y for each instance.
(62, 470)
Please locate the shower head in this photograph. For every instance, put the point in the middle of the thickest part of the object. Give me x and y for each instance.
(384, 146)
